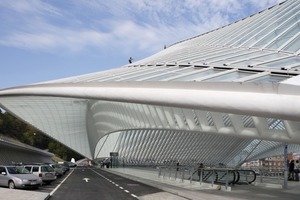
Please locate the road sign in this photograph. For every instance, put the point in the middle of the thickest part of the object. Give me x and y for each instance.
(114, 153)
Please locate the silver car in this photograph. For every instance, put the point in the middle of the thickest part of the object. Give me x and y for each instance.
(59, 171)
(18, 177)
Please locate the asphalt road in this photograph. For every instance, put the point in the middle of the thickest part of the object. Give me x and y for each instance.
(98, 184)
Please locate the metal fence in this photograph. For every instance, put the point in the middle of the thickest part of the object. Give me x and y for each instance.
(213, 176)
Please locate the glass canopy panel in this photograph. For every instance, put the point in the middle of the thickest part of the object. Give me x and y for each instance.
(279, 14)
(277, 43)
(115, 75)
(284, 38)
(283, 62)
(291, 12)
(293, 46)
(170, 74)
(127, 72)
(270, 57)
(260, 35)
(238, 57)
(269, 79)
(204, 55)
(246, 56)
(143, 75)
(228, 54)
(277, 32)
(268, 39)
(260, 59)
(197, 75)
(247, 62)
(290, 21)
(276, 124)
(162, 77)
(230, 77)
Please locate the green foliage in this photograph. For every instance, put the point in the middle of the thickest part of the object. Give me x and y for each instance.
(11, 126)
(14, 128)
(65, 153)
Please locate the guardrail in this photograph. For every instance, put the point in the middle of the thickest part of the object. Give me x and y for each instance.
(208, 175)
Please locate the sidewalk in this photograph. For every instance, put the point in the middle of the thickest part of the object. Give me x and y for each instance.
(186, 190)
(9, 194)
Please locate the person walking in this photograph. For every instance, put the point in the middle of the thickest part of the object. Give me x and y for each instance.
(130, 60)
(291, 170)
(200, 169)
(297, 170)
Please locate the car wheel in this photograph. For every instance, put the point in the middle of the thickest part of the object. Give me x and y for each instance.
(11, 185)
(47, 182)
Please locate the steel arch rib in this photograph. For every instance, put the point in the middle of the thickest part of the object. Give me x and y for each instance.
(264, 100)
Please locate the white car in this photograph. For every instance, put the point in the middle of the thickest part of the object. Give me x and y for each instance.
(44, 171)
(18, 177)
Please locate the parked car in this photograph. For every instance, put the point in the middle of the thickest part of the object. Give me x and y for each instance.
(65, 165)
(68, 164)
(44, 171)
(59, 170)
(18, 177)
(72, 165)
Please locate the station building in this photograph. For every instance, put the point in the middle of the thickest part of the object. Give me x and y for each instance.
(227, 97)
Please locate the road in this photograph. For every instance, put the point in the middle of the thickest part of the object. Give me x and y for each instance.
(91, 183)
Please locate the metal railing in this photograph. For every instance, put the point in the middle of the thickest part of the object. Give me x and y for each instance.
(213, 176)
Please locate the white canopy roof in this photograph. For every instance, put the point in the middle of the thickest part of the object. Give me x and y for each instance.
(227, 96)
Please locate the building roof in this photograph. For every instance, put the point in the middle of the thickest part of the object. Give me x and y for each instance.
(227, 96)
(14, 152)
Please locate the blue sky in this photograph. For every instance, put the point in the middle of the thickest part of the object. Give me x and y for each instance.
(43, 40)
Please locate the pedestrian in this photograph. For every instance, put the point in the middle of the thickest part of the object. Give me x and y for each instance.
(291, 170)
(177, 164)
(200, 168)
(297, 170)
(130, 60)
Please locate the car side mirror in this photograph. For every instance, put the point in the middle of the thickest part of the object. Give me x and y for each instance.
(3, 173)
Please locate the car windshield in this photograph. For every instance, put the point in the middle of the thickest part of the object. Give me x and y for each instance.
(57, 166)
(17, 170)
(47, 168)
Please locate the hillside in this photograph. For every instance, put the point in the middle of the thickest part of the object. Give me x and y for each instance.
(16, 129)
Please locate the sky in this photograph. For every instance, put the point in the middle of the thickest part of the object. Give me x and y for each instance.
(42, 40)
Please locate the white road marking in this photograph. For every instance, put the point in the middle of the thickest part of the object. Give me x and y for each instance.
(115, 184)
(61, 183)
(86, 179)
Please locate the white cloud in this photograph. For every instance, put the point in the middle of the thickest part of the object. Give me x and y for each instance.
(29, 7)
(72, 41)
(128, 25)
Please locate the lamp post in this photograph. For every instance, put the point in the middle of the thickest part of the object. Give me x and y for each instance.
(285, 175)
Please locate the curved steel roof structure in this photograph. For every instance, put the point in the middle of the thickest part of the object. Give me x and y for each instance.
(227, 96)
